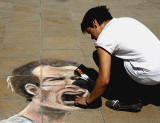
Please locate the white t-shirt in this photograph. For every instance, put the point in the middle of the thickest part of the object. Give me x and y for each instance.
(133, 42)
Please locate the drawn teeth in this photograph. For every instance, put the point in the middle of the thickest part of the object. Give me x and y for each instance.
(69, 102)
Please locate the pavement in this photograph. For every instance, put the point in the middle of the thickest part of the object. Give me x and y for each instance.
(37, 29)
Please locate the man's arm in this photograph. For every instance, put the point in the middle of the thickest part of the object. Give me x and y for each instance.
(102, 80)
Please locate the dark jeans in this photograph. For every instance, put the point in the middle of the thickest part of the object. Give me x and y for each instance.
(124, 88)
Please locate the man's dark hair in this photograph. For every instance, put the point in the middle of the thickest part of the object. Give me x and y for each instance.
(23, 75)
(100, 13)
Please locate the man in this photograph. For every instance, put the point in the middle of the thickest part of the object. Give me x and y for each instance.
(122, 41)
(50, 86)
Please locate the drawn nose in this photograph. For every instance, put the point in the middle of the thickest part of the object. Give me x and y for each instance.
(69, 82)
(71, 86)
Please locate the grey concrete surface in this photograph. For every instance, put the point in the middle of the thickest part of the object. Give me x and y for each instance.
(36, 29)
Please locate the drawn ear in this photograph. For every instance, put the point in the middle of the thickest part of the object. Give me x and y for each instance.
(32, 89)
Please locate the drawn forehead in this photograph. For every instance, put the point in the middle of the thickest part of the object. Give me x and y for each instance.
(58, 70)
(47, 71)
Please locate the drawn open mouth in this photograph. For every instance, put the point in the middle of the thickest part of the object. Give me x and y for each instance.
(69, 97)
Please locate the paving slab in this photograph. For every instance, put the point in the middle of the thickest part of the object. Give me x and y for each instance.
(7, 65)
(20, 50)
(55, 26)
(27, 26)
(71, 54)
(30, 3)
(2, 35)
(86, 116)
(22, 37)
(55, 43)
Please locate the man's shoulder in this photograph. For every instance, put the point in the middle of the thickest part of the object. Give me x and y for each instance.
(121, 25)
(124, 21)
(117, 23)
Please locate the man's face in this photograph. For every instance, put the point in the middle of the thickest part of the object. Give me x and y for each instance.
(93, 32)
(57, 90)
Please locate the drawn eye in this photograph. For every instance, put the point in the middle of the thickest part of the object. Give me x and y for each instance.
(60, 78)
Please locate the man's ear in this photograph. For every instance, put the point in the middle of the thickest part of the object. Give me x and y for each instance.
(31, 89)
(95, 23)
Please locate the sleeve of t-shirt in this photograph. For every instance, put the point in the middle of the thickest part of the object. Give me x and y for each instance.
(106, 42)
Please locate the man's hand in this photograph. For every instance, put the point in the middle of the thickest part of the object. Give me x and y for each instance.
(81, 101)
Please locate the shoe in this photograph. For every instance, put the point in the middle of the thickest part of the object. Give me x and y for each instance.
(117, 105)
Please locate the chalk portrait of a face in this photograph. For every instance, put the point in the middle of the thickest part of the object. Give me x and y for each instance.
(50, 86)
